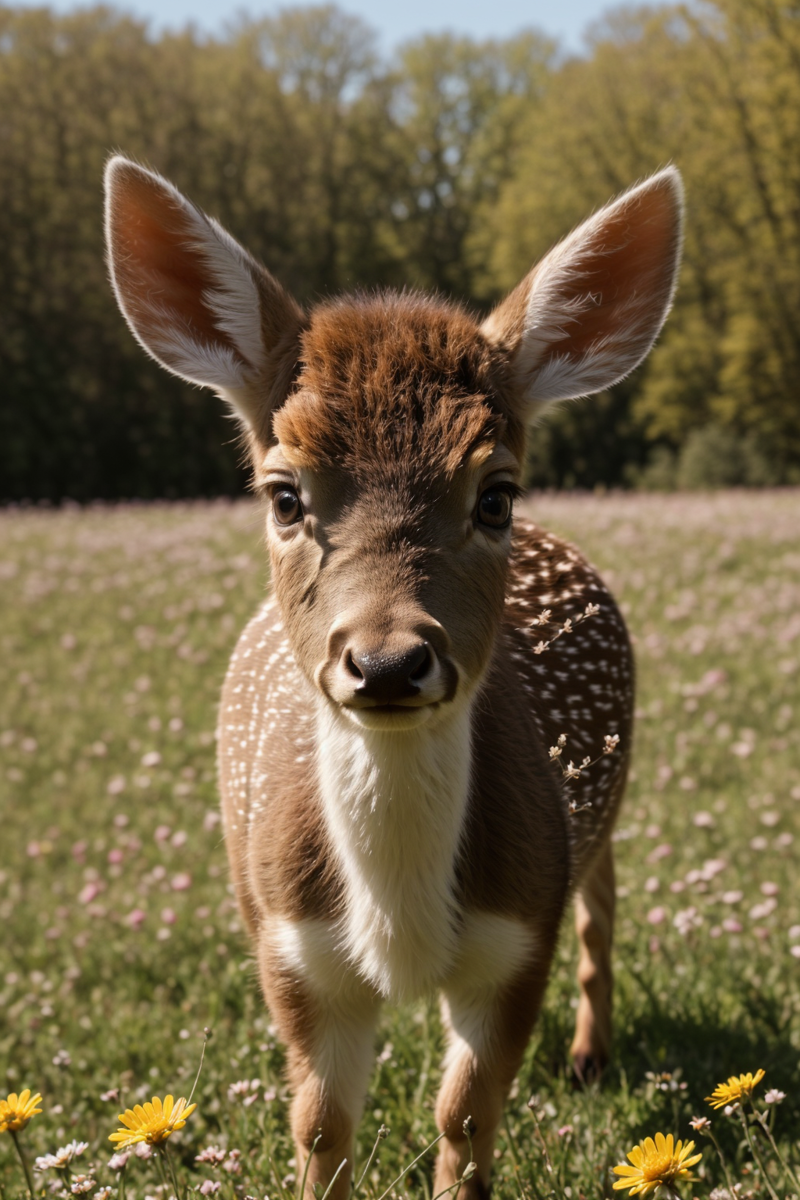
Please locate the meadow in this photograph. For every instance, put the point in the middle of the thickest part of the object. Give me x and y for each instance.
(121, 942)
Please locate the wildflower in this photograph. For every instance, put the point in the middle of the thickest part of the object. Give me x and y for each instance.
(118, 1161)
(62, 1158)
(610, 743)
(103, 1194)
(17, 1110)
(655, 1163)
(555, 752)
(701, 1124)
(736, 1088)
(152, 1123)
(775, 1096)
(208, 1188)
(213, 1155)
(571, 771)
(232, 1164)
(82, 1184)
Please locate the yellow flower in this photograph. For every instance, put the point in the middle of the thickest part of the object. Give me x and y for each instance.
(655, 1163)
(16, 1111)
(737, 1087)
(151, 1123)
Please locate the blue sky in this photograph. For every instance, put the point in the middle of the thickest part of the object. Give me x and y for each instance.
(395, 22)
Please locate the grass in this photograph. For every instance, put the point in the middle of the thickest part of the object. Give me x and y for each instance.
(121, 940)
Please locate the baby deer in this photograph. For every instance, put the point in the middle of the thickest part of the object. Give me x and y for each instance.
(395, 821)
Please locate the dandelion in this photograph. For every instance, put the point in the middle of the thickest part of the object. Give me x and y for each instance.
(735, 1090)
(152, 1123)
(655, 1164)
(17, 1110)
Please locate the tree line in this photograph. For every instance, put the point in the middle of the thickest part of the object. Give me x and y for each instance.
(451, 166)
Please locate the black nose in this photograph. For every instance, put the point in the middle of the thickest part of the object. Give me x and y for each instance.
(387, 677)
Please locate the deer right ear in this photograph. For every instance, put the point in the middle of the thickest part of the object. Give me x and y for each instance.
(192, 296)
(589, 312)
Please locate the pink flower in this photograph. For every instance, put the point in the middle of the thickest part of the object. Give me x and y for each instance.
(168, 916)
(731, 925)
(657, 915)
(115, 856)
(162, 833)
(88, 893)
(181, 882)
(136, 917)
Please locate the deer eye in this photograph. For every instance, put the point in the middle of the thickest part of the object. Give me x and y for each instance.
(286, 506)
(495, 507)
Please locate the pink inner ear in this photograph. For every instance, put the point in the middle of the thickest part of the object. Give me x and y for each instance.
(157, 264)
(628, 264)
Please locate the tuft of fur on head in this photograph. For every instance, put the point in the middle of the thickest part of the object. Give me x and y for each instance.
(392, 376)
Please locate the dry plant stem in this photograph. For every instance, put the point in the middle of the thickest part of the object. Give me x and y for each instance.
(723, 1162)
(540, 1136)
(200, 1066)
(23, 1160)
(171, 1166)
(162, 1172)
(512, 1149)
(413, 1163)
(787, 1170)
(277, 1178)
(302, 1192)
(454, 1186)
(756, 1156)
(122, 1182)
(336, 1174)
(373, 1152)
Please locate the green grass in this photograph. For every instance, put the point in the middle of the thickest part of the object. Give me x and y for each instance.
(120, 937)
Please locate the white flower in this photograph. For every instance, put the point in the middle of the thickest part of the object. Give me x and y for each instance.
(774, 1096)
(62, 1158)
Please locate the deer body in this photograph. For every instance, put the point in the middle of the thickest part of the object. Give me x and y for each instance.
(394, 820)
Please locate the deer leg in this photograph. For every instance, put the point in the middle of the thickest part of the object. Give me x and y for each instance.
(330, 1042)
(594, 921)
(487, 1033)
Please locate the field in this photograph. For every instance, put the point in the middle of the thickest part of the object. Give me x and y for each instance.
(120, 937)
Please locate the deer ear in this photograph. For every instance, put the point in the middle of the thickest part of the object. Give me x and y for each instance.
(588, 313)
(192, 296)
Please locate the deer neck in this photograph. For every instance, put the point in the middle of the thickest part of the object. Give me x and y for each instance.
(395, 805)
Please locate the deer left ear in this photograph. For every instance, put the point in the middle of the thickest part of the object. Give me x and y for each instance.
(589, 312)
(192, 296)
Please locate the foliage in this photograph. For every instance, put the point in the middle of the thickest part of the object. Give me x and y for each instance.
(452, 165)
(122, 940)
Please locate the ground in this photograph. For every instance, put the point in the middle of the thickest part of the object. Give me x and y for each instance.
(121, 939)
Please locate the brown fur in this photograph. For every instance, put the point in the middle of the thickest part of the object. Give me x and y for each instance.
(384, 419)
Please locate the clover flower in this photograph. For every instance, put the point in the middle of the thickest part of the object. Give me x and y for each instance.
(62, 1157)
(658, 1163)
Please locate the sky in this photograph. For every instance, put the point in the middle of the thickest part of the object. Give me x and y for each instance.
(396, 21)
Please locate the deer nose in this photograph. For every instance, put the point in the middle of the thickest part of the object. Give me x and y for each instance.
(387, 676)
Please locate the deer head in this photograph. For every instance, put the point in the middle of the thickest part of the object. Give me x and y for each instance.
(388, 430)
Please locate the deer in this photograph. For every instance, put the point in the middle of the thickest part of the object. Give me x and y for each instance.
(392, 723)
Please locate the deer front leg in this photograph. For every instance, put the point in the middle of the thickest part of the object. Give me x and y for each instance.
(326, 1016)
(488, 1029)
(594, 921)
